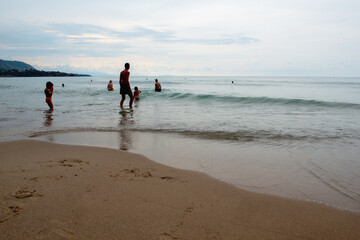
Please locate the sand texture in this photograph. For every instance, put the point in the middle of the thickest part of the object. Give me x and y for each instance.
(51, 191)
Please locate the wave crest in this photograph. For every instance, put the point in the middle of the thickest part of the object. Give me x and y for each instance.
(259, 100)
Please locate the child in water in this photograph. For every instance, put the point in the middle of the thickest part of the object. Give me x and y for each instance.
(137, 93)
(48, 93)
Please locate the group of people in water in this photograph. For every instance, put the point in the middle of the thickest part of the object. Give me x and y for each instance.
(125, 88)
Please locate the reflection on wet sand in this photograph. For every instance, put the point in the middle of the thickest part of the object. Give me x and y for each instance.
(48, 117)
(126, 120)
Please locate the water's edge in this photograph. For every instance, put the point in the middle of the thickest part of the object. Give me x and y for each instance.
(225, 161)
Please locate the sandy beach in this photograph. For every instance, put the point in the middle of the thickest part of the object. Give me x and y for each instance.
(53, 191)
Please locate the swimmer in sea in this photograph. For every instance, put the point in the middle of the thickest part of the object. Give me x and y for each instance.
(157, 86)
(48, 93)
(137, 93)
(110, 86)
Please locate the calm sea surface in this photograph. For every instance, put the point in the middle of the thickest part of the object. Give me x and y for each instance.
(288, 136)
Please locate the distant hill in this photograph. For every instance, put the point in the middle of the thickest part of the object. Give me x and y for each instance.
(10, 65)
(21, 69)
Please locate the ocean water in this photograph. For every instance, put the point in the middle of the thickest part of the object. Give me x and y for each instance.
(297, 137)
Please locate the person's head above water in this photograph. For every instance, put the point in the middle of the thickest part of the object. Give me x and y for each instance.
(49, 85)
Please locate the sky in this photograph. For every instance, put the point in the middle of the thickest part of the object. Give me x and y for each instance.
(183, 37)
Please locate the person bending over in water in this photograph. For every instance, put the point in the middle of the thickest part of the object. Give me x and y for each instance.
(137, 93)
(125, 88)
(157, 86)
(110, 86)
(48, 93)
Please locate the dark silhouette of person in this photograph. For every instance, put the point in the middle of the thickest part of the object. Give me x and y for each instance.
(125, 88)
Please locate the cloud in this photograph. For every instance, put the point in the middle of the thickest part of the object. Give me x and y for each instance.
(93, 33)
(97, 41)
(236, 37)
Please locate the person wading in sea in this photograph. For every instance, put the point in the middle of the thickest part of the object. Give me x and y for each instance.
(157, 86)
(48, 94)
(125, 88)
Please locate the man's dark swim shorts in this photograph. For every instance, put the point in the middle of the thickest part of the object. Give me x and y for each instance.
(124, 89)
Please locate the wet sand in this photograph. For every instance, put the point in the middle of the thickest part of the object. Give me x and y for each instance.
(306, 173)
(53, 191)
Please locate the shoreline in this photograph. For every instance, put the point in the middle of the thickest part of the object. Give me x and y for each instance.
(252, 167)
(76, 192)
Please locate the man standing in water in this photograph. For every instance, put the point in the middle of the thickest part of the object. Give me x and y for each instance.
(125, 88)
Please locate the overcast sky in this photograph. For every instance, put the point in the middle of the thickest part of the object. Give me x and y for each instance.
(181, 37)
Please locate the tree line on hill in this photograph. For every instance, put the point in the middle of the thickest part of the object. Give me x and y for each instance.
(21, 69)
(37, 73)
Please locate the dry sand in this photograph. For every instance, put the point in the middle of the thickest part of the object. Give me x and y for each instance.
(51, 191)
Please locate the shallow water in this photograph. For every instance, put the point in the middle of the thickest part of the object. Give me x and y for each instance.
(293, 137)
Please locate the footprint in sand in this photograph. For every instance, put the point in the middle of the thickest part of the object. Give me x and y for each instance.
(165, 236)
(189, 209)
(179, 224)
(167, 178)
(65, 233)
(137, 173)
(132, 174)
(35, 179)
(173, 179)
(65, 163)
(146, 174)
(9, 212)
(56, 177)
(23, 193)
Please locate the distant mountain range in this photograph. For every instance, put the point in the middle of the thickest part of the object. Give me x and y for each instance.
(21, 69)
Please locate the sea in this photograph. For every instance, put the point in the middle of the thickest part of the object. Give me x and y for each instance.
(294, 137)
